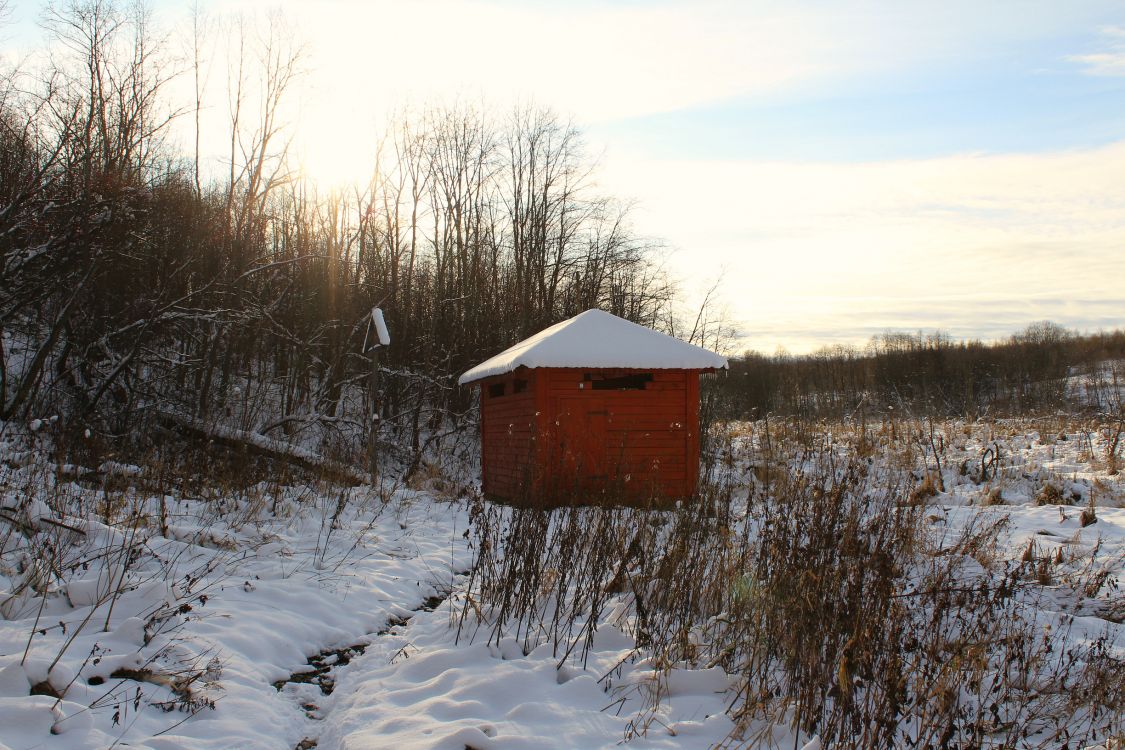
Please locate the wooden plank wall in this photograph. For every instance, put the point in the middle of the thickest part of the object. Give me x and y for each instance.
(508, 435)
(651, 434)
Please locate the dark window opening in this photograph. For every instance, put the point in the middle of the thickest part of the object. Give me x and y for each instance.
(520, 386)
(496, 391)
(623, 383)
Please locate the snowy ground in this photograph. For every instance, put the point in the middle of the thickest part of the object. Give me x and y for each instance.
(1051, 486)
(302, 616)
(217, 608)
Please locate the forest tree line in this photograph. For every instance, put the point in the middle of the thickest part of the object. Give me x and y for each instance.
(133, 287)
(1040, 369)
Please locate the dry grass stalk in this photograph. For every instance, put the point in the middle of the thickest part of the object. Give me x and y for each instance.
(822, 591)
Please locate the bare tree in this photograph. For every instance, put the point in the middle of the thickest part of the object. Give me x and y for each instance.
(198, 33)
(263, 144)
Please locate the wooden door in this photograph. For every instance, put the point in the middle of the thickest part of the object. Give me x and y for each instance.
(582, 440)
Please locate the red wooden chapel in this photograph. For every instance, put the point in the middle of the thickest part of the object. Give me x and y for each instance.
(593, 404)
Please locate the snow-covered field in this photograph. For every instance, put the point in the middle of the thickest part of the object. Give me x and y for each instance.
(312, 615)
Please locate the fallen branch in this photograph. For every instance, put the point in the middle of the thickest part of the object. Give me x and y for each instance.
(6, 514)
(259, 444)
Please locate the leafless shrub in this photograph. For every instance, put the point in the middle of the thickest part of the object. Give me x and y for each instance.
(924, 490)
(1089, 515)
(1050, 494)
(994, 496)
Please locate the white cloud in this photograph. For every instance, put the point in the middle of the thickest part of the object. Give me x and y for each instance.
(598, 63)
(1110, 59)
(975, 244)
(602, 62)
(611, 61)
(365, 60)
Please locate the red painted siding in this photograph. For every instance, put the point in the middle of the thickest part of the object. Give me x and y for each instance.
(561, 434)
(508, 435)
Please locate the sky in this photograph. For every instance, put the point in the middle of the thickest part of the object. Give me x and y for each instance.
(839, 169)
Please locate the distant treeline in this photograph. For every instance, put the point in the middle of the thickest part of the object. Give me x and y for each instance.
(1043, 367)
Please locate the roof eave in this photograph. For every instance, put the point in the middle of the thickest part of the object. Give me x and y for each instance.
(478, 378)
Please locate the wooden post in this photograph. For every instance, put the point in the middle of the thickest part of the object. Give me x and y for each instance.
(373, 436)
(382, 338)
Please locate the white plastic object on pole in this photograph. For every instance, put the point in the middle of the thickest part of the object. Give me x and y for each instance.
(380, 326)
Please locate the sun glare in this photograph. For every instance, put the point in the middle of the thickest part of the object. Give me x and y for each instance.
(337, 153)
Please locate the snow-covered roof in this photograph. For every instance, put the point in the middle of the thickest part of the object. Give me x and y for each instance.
(598, 339)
